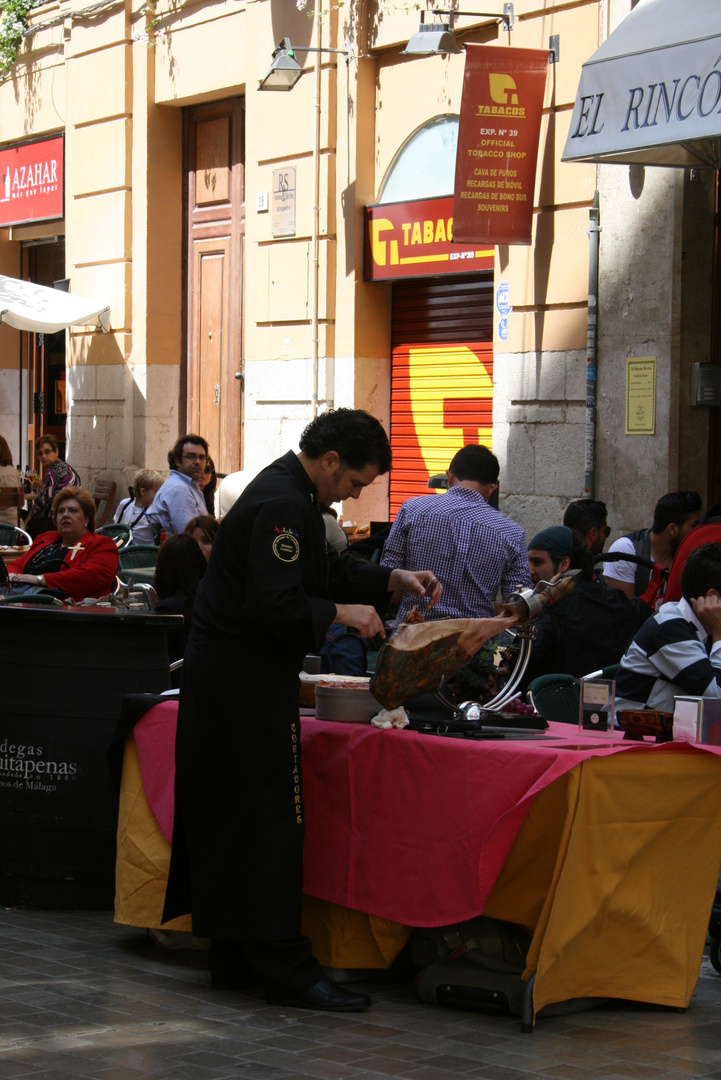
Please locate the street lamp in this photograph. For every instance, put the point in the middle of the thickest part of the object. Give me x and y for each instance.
(435, 39)
(432, 39)
(285, 69)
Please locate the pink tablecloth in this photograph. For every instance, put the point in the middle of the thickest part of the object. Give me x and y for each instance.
(412, 828)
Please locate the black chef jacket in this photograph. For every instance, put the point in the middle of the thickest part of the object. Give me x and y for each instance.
(265, 602)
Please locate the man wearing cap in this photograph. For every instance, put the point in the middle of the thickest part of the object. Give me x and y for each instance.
(549, 553)
(475, 551)
(589, 628)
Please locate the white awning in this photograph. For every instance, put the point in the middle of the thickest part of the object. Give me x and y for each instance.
(651, 94)
(27, 306)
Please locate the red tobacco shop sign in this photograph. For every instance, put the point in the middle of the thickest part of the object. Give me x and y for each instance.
(414, 239)
(498, 144)
(31, 181)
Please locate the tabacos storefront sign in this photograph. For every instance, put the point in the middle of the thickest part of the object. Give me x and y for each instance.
(651, 99)
(498, 135)
(415, 239)
(31, 181)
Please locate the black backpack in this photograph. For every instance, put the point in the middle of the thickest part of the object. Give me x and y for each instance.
(641, 540)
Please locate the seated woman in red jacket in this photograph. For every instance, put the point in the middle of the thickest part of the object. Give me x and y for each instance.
(73, 561)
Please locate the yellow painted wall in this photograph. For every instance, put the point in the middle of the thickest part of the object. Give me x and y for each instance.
(119, 103)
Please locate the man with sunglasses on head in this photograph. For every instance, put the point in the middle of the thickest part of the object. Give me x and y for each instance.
(180, 498)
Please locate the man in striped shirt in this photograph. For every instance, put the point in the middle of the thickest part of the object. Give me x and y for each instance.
(678, 651)
(475, 551)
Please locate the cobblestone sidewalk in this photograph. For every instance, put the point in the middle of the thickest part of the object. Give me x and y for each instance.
(83, 998)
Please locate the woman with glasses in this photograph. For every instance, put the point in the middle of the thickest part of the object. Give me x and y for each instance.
(57, 475)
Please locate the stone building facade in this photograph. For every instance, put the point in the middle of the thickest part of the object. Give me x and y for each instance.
(221, 321)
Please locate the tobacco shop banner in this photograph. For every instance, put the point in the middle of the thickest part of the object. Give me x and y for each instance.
(498, 144)
(415, 239)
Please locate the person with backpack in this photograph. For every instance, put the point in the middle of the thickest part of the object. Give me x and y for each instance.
(58, 475)
(675, 515)
(133, 512)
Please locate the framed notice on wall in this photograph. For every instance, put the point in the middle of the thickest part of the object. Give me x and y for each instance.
(641, 395)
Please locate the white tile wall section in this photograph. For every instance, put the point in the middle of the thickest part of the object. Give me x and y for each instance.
(121, 420)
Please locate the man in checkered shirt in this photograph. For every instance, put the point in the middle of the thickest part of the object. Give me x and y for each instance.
(475, 551)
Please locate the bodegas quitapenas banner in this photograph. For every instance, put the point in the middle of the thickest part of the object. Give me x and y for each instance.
(498, 135)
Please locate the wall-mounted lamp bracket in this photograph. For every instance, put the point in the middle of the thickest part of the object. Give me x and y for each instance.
(506, 18)
(554, 49)
(285, 69)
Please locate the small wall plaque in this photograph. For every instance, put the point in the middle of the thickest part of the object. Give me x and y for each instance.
(641, 395)
(283, 202)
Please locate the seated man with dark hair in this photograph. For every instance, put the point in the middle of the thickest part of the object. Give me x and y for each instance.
(675, 515)
(670, 654)
(588, 519)
(586, 630)
(475, 551)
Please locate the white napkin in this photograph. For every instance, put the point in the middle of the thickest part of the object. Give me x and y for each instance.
(395, 718)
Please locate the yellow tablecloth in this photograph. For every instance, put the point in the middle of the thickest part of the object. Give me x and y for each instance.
(613, 871)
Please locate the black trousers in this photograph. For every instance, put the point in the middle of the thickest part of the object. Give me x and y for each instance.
(280, 967)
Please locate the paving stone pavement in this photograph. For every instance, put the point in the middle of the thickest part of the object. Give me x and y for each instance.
(83, 998)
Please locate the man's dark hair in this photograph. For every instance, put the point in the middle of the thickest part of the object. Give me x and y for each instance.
(357, 438)
(584, 515)
(581, 557)
(177, 451)
(475, 463)
(674, 508)
(702, 571)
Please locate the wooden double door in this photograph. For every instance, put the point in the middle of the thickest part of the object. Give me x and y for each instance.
(214, 142)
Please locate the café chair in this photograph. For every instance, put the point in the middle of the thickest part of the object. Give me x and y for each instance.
(14, 536)
(37, 599)
(134, 594)
(556, 697)
(139, 558)
(104, 492)
(12, 498)
(117, 531)
(608, 672)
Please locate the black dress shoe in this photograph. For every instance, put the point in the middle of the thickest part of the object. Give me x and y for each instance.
(325, 995)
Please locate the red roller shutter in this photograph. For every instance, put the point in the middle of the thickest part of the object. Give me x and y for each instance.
(442, 377)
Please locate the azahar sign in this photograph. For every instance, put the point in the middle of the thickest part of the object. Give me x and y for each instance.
(31, 181)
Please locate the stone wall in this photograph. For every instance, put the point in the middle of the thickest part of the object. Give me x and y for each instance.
(538, 434)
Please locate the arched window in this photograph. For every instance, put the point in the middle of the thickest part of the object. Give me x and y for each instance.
(426, 163)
